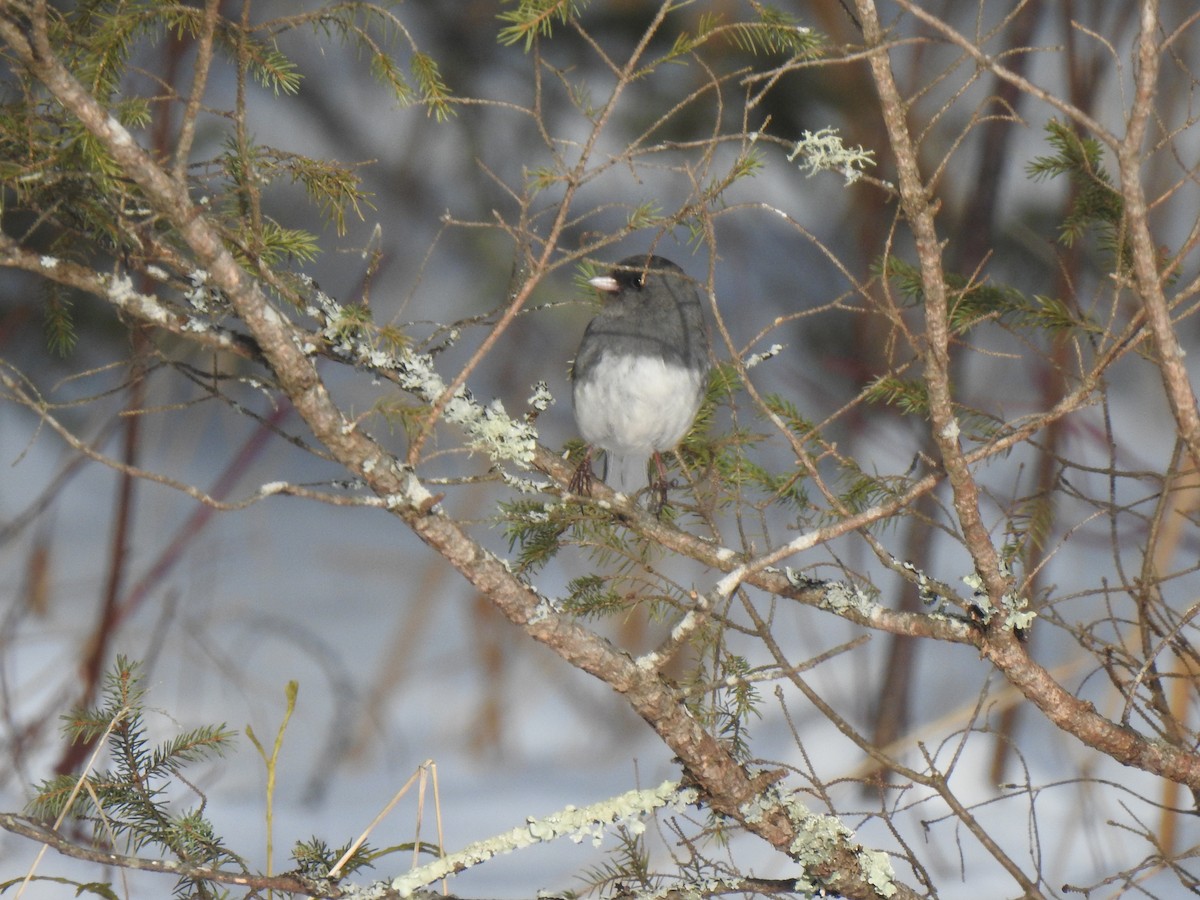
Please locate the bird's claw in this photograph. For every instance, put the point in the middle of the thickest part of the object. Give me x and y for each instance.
(581, 480)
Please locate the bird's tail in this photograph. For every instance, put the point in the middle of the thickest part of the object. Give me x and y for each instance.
(626, 474)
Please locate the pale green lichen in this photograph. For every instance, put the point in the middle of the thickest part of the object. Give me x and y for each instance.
(692, 890)
(201, 295)
(541, 398)
(490, 428)
(878, 872)
(823, 151)
(1021, 620)
(576, 823)
(524, 485)
(818, 839)
(979, 596)
(1017, 614)
(500, 436)
(842, 597)
(758, 358)
(545, 610)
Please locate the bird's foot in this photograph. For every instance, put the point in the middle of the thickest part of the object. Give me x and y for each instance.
(658, 498)
(581, 481)
(659, 486)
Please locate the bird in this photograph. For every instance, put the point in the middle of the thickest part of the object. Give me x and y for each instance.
(640, 373)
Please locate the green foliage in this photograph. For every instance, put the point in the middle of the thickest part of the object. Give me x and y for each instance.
(772, 33)
(732, 706)
(905, 278)
(974, 301)
(584, 272)
(1052, 315)
(79, 204)
(274, 243)
(315, 858)
(1030, 522)
(59, 323)
(130, 805)
(726, 449)
(538, 178)
(743, 696)
(697, 448)
(970, 302)
(1095, 203)
(353, 323)
(272, 69)
(748, 165)
(537, 529)
(647, 215)
(331, 185)
(626, 871)
(130, 801)
(907, 395)
(250, 169)
(789, 414)
(590, 596)
(52, 166)
(785, 486)
(721, 693)
(911, 398)
(860, 491)
(535, 18)
(434, 93)
(358, 23)
(97, 39)
(776, 32)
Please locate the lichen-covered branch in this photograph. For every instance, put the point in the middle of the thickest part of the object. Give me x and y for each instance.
(1147, 276)
(919, 212)
(839, 862)
(998, 643)
(43, 834)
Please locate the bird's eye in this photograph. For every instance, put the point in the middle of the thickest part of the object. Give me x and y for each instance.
(641, 279)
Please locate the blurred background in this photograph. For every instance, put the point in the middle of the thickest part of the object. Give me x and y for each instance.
(398, 661)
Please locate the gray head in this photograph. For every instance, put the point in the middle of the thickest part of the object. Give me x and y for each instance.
(634, 273)
(652, 307)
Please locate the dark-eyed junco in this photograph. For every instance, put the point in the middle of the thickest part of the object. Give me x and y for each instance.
(640, 372)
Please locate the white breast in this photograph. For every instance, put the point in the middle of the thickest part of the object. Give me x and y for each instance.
(635, 405)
